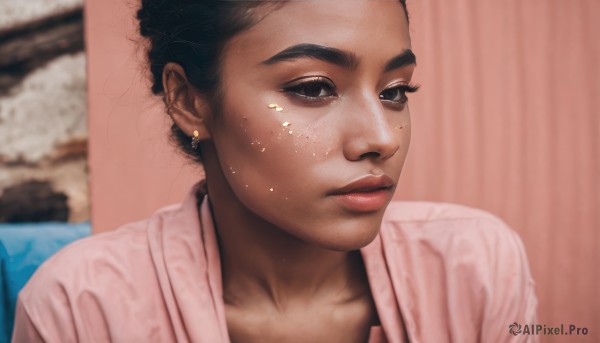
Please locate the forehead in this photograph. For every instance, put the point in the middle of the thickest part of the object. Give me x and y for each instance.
(368, 28)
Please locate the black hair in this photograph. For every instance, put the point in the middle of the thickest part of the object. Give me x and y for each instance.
(192, 33)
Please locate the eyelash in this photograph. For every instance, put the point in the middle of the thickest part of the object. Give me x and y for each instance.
(295, 89)
(322, 83)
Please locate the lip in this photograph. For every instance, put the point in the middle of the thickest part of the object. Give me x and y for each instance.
(367, 194)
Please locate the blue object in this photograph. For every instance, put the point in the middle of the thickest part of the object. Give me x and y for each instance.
(23, 248)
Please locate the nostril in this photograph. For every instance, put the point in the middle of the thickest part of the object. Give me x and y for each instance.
(370, 154)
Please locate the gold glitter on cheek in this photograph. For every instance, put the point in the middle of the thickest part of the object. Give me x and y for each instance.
(276, 107)
(286, 124)
(263, 149)
(290, 132)
(271, 189)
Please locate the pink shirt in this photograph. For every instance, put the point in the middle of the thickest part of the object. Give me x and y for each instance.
(438, 273)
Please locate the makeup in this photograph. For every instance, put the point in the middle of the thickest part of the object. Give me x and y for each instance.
(275, 107)
(313, 146)
(366, 194)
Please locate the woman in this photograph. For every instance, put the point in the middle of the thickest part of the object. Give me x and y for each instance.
(298, 112)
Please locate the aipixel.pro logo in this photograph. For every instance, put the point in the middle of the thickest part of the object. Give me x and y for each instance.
(514, 328)
(546, 330)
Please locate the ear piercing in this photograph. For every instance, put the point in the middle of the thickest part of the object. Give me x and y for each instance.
(276, 107)
(195, 139)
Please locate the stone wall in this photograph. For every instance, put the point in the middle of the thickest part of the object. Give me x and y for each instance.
(43, 119)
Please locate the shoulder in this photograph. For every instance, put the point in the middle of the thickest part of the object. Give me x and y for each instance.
(475, 252)
(468, 242)
(455, 233)
(102, 256)
(107, 251)
(91, 277)
(449, 225)
(424, 211)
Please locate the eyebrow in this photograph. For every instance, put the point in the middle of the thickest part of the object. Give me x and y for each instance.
(331, 55)
(407, 57)
(335, 56)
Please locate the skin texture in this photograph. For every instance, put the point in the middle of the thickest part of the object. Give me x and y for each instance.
(288, 247)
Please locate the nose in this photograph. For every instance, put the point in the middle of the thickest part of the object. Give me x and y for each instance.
(370, 135)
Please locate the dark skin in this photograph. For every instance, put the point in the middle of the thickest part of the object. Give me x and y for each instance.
(291, 269)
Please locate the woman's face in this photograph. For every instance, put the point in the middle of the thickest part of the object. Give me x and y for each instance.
(314, 126)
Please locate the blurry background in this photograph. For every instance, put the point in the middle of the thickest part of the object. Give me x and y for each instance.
(43, 115)
(506, 120)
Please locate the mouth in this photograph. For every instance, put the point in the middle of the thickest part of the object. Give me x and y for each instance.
(370, 193)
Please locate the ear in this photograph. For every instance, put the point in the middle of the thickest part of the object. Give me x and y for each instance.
(188, 108)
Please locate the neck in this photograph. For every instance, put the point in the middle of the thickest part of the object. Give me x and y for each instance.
(263, 262)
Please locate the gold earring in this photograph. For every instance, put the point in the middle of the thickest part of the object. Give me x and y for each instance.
(195, 139)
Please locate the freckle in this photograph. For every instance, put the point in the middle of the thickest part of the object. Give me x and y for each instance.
(399, 127)
(286, 124)
(271, 189)
(263, 149)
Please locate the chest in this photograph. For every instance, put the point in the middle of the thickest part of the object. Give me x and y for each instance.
(346, 323)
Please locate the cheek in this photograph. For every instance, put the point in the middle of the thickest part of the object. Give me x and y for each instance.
(266, 152)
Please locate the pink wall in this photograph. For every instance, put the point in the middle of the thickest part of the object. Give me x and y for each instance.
(506, 120)
(133, 170)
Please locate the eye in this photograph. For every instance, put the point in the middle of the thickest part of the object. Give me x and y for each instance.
(397, 95)
(312, 89)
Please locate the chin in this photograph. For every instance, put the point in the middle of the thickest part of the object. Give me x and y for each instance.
(352, 236)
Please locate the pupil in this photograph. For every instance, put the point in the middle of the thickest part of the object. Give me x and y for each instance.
(392, 94)
(313, 90)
